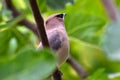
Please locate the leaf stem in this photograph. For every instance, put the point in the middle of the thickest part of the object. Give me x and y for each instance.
(110, 9)
(78, 68)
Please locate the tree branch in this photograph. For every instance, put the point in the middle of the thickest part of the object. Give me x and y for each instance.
(110, 9)
(78, 68)
(25, 22)
(40, 24)
(57, 75)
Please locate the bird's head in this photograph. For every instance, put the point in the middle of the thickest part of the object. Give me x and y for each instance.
(55, 20)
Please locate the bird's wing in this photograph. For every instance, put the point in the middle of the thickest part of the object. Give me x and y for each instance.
(55, 40)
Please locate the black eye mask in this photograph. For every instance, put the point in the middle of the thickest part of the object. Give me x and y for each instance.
(61, 15)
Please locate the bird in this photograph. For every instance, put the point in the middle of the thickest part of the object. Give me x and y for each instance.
(57, 37)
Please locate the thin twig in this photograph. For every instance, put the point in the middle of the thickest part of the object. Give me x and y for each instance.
(110, 9)
(24, 22)
(40, 24)
(78, 68)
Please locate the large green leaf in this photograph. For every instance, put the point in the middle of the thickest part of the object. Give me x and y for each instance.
(28, 64)
(84, 22)
(84, 27)
(91, 57)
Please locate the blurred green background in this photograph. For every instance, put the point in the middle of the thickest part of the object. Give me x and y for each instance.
(94, 41)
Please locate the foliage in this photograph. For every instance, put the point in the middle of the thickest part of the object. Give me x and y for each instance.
(94, 40)
(28, 64)
(98, 75)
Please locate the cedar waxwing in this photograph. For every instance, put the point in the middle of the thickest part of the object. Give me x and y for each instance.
(57, 37)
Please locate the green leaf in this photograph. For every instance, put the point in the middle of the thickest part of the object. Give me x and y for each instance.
(84, 27)
(20, 40)
(11, 23)
(28, 64)
(89, 56)
(58, 4)
(111, 40)
(98, 75)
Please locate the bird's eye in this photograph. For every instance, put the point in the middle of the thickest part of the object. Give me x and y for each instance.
(61, 15)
